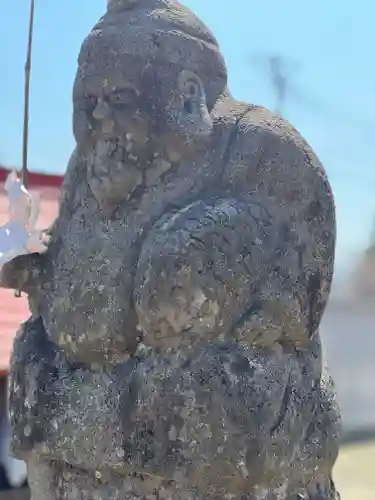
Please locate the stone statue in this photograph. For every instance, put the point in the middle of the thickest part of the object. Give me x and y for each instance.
(173, 349)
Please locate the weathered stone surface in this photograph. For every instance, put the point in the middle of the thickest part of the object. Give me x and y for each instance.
(174, 345)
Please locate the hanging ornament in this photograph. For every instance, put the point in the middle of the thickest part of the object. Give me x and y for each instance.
(19, 235)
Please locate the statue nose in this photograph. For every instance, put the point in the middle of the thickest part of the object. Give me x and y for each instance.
(102, 110)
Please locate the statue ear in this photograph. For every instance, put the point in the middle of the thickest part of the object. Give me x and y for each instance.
(191, 89)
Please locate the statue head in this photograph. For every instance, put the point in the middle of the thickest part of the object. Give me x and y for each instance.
(149, 75)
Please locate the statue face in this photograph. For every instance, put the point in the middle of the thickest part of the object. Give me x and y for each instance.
(134, 117)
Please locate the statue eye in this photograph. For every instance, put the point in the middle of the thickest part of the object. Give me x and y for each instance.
(91, 101)
(123, 97)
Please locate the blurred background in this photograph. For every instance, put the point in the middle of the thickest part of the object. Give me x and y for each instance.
(312, 62)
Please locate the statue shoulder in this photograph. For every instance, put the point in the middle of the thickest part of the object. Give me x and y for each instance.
(267, 152)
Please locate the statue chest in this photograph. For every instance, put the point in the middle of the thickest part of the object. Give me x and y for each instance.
(87, 294)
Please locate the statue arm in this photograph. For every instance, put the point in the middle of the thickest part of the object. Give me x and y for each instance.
(256, 264)
(209, 269)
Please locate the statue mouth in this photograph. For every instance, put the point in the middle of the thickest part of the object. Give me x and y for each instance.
(120, 167)
(120, 150)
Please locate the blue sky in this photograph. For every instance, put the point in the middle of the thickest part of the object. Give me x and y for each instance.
(329, 46)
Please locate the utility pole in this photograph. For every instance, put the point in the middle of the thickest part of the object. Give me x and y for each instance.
(279, 82)
(278, 70)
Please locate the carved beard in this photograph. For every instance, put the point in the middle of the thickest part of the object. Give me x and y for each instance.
(115, 172)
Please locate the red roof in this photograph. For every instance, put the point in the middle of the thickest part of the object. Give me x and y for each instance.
(15, 310)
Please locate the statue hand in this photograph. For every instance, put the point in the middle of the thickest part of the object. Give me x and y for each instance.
(33, 368)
